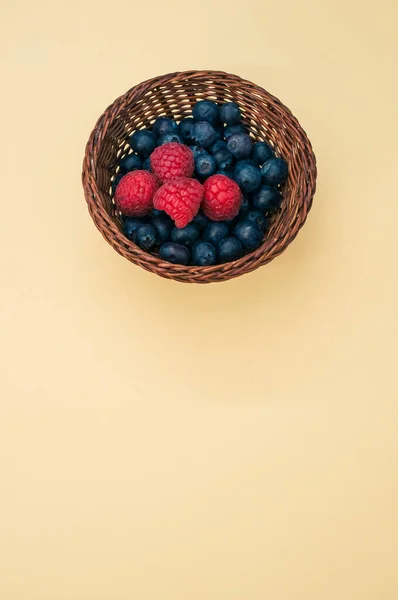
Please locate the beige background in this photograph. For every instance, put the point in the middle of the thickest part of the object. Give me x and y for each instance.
(161, 441)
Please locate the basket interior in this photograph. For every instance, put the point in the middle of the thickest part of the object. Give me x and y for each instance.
(176, 100)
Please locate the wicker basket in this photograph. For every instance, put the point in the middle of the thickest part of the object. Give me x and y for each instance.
(174, 95)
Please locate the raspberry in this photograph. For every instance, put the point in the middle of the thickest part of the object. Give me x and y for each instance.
(222, 198)
(180, 199)
(172, 160)
(134, 194)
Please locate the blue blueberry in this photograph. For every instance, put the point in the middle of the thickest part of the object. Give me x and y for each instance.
(204, 254)
(197, 150)
(185, 129)
(233, 129)
(274, 171)
(156, 212)
(206, 110)
(130, 224)
(241, 216)
(147, 164)
(240, 145)
(116, 181)
(145, 236)
(203, 134)
(164, 125)
(232, 222)
(215, 232)
(248, 178)
(185, 235)
(227, 172)
(164, 226)
(205, 165)
(131, 162)
(143, 142)
(220, 130)
(174, 253)
(201, 221)
(230, 113)
(246, 161)
(258, 217)
(262, 152)
(229, 249)
(245, 206)
(170, 137)
(217, 146)
(249, 234)
(267, 199)
(224, 159)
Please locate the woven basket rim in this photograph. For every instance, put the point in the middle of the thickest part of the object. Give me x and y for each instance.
(271, 247)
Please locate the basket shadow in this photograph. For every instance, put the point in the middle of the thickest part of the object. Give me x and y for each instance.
(206, 308)
(206, 328)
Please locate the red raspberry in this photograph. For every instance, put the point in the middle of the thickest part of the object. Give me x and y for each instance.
(222, 198)
(135, 192)
(172, 160)
(180, 199)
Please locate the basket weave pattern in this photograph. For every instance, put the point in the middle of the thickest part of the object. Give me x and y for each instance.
(174, 95)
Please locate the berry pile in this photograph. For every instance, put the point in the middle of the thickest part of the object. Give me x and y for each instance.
(200, 191)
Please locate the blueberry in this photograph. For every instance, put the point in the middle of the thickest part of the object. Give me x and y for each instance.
(248, 178)
(241, 216)
(204, 254)
(232, 222)
(203, 134)
(206, 110)
(227, 172)
(224, 159)
(256, 216)
(185, 129)
(197, 150)
(233, 129)
(245, 206)
(200, 221)
(185, 235)
(170, 137)
(230, 113)
(143, 142)
(246, 161)
(116, 181)
(205, 165)
(174, 253)
(229, 249)
(147, 164)
(163, 225)
(215, 232)
(220, 130)
(130, 225)
(274, 171)
(145, 236)
(131, 162)
(249, 234)
(217, 146)
(164, 125)
(262, 152)
(267, 199)
(156, 212)
(240, 144)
